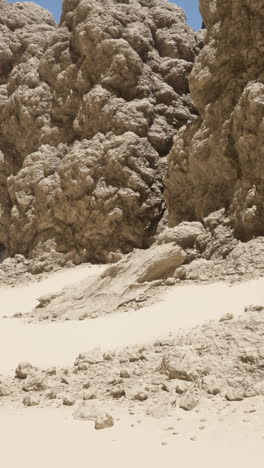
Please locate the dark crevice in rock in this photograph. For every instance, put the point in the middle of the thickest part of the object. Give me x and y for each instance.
(3, 252)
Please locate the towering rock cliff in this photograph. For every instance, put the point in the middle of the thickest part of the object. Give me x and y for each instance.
(218, 161)
(88, 112)
(24, 32)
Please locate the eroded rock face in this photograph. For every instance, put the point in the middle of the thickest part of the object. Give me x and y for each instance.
(88, 110)
(24, 32)
(79, 196)
(217, 162)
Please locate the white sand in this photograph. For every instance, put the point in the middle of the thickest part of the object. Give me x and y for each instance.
(34, 438)
(58, 344)
(24, 298)
(51, 438)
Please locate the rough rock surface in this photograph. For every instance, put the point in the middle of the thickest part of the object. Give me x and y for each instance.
(126, 282)
(24, 32)
(139, 278)
(210, 250)
(217, 162)
(218, 361)
(88, 110)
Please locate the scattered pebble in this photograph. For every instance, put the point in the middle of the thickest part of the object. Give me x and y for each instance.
(226, 317)
(68, 401)
(30, 400)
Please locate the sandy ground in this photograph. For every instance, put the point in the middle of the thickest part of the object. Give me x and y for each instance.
(32, 437)
(23, 299)
(57, 344)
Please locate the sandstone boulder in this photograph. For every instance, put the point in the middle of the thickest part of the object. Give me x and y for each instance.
(31, 400)
(101, 418)
(189, 401)
(122, 283)
(182, 365)
(184, 234)
(25, 369)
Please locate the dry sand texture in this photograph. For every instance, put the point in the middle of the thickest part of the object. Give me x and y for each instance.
(213, 434)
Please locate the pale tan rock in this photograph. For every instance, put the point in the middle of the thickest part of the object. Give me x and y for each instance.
(140, 395)
(51, 394)
(185, 234)
(215, 361)
(235, 394)
(180, 273)
(5, 390)
(25, 369)
(86, 385)
(87, 412)
(170, 281)
(118, 392)
(91, 413)
(189, 401)
(35, 384)
(117, 286)
(89, 396)
(92, 358)
(68, 401)
(226, 317)
(51, 371)
(217, 161)
(183, 365)
(31, 400)
(182, 387)
(259, 388)
(124, 374)
(213, 385)
(103, 422)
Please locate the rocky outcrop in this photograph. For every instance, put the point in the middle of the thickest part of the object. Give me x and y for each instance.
(217, 162)
(130, 281)
(88, 112)
(24, 32)
(217, 361)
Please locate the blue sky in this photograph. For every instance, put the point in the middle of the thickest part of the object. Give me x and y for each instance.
(53, 5)
(190, 6)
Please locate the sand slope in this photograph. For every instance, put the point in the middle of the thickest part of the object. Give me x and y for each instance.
(46, 344)
(218, 435)
(51, 438)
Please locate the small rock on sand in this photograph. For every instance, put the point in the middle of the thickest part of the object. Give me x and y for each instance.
(226, 317)
(102, 422)
(189, 402)
(235, 394)
(92, 413)
(24, 369)
(68, 401)
(30, 400)
(140, 396)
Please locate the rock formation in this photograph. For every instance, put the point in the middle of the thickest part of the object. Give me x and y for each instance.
(218, 360)
(217, 162)
(24, 32)
(130, 281)
(88, 112)
(141, 277)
